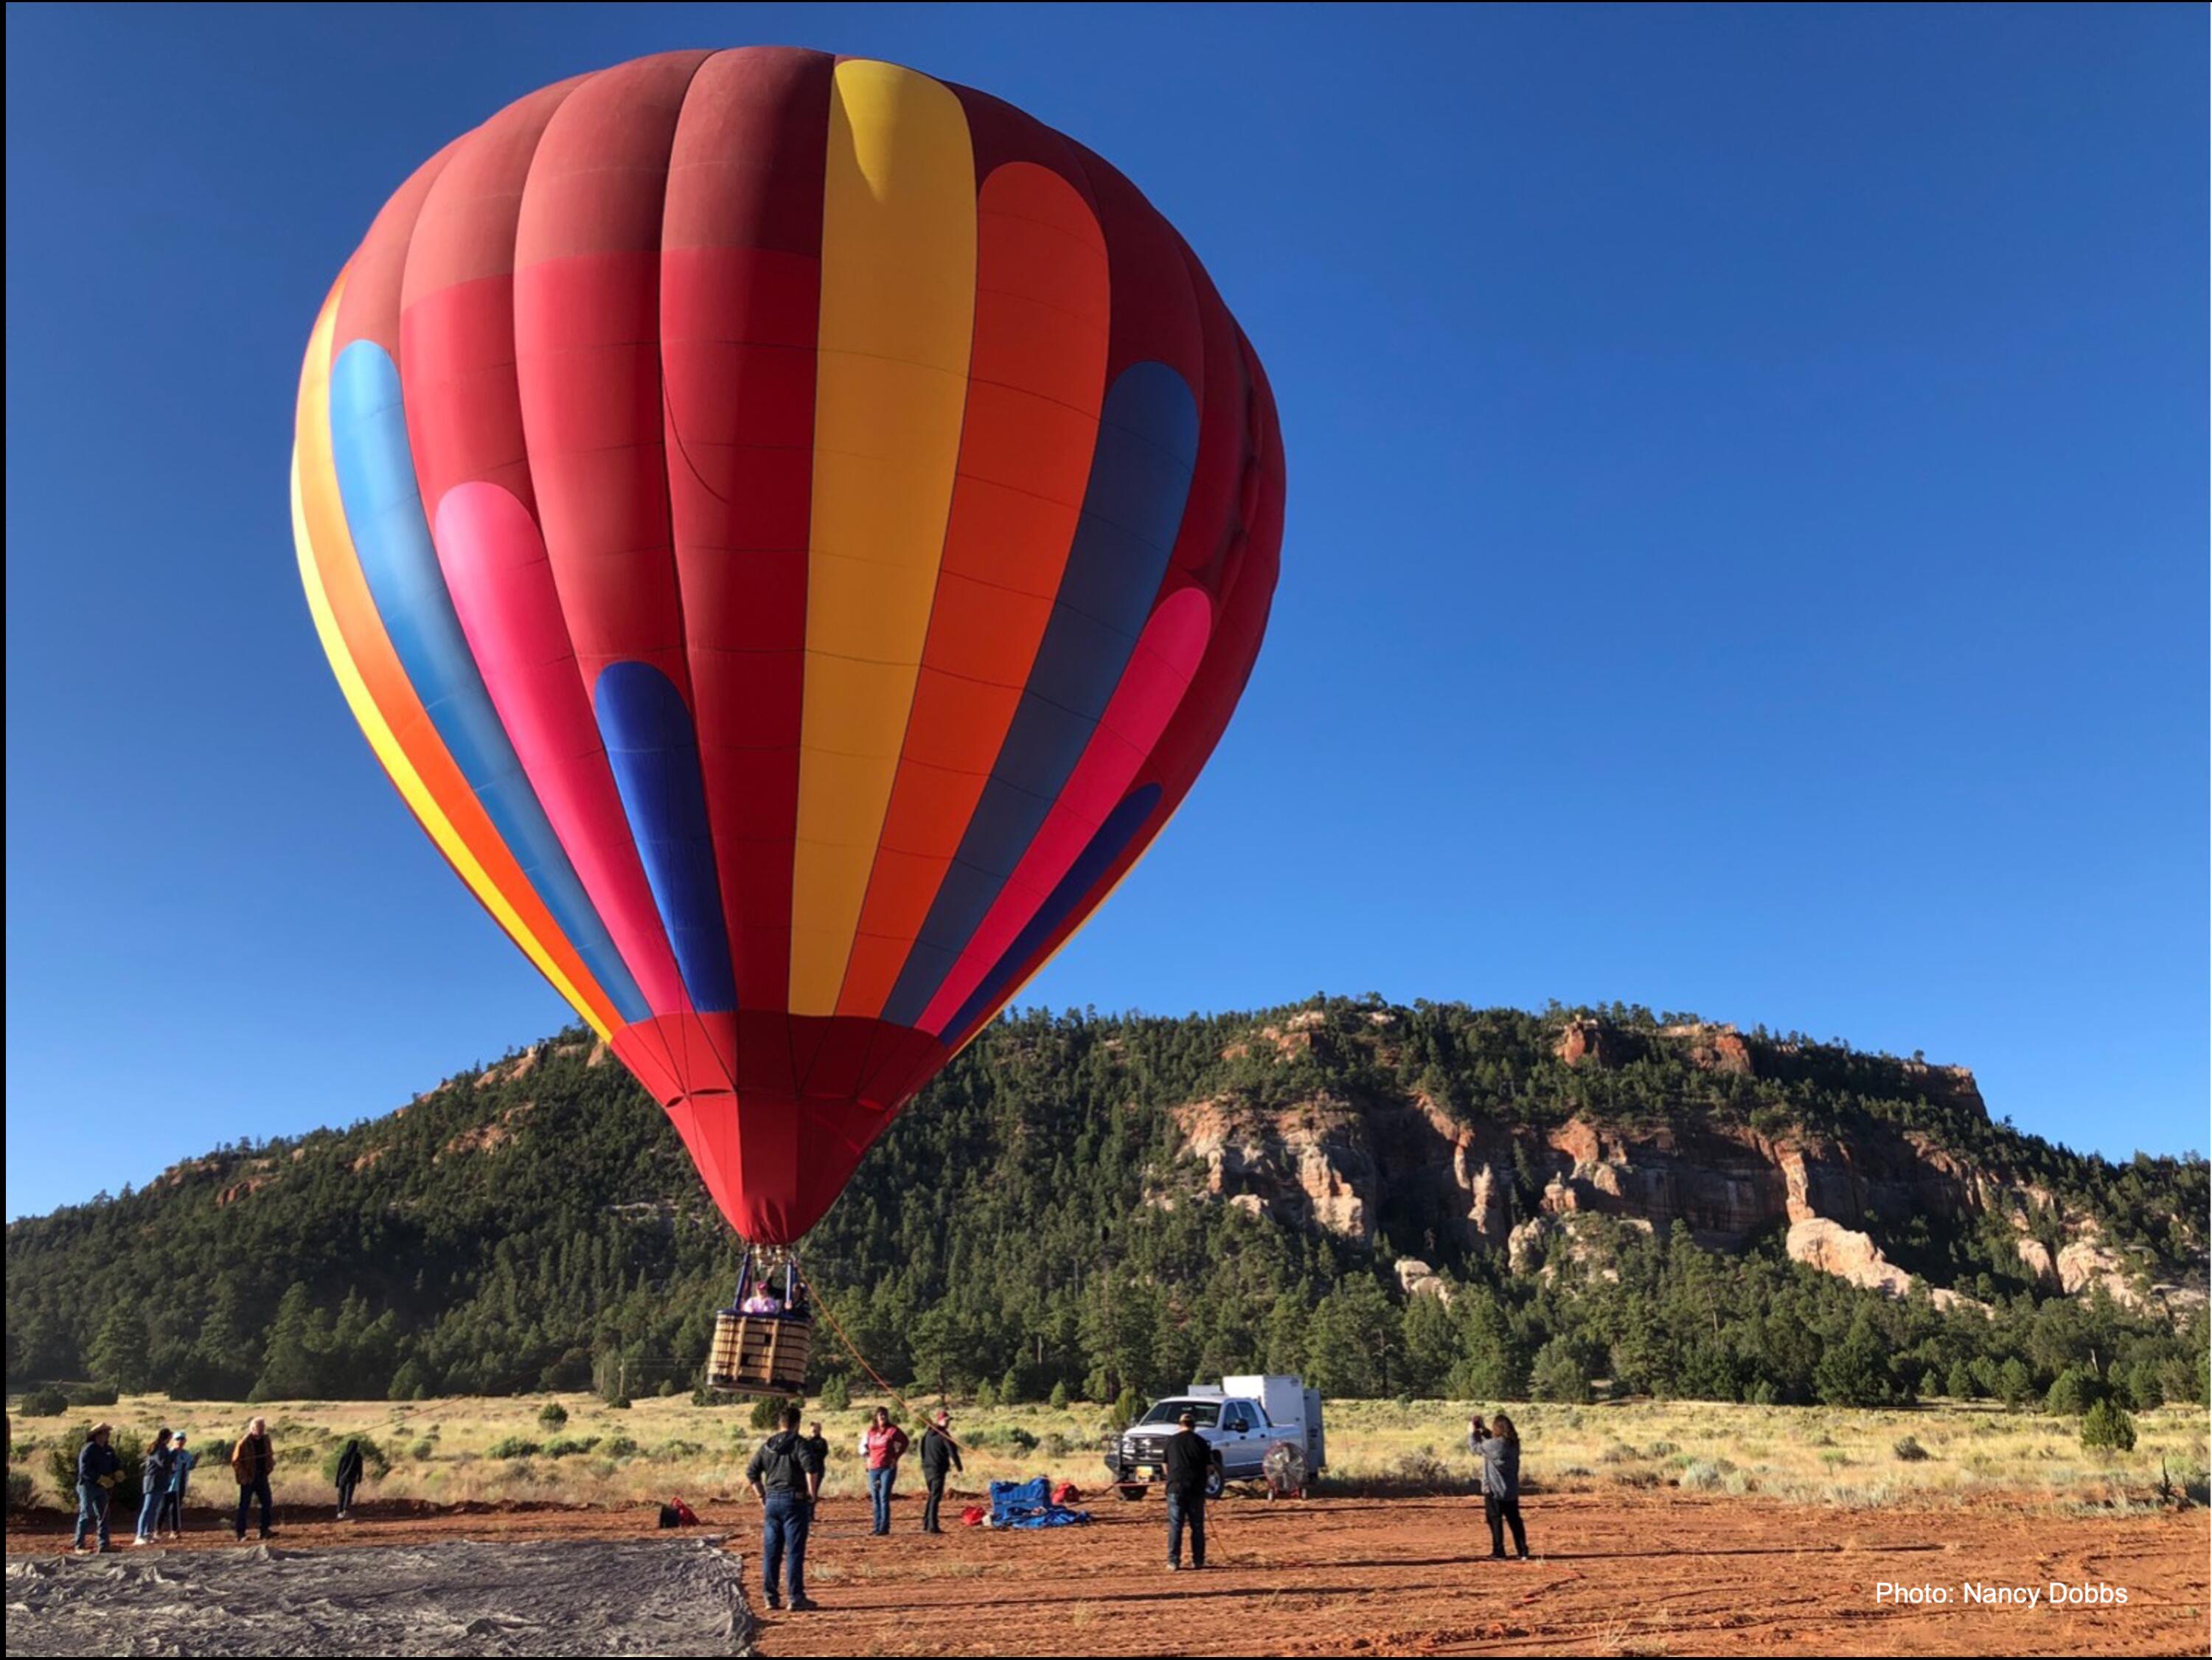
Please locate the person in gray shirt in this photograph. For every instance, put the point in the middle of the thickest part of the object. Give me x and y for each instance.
(1500, 1452)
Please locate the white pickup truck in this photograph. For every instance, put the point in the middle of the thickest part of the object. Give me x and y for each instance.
(1266, 1429)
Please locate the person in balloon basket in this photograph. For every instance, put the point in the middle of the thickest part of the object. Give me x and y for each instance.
(1190, 1461)
(252, 1461)
(886, 1444)
(98, 1467)
(940, 1455)
(785, 1476)
(1497, 1445)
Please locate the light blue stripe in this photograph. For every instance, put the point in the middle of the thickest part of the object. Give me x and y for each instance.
(391, 534)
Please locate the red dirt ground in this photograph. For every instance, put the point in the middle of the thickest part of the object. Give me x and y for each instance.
(1626, 1573)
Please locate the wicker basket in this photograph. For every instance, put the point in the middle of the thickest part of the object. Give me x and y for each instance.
(760, 1354)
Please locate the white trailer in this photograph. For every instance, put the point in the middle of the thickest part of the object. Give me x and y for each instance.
(1265, 1429)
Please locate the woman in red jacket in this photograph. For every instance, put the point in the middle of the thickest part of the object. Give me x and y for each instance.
(886, 1444)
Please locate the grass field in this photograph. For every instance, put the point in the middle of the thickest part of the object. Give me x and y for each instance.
(497, 1450)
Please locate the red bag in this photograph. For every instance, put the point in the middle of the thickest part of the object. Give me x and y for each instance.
(1067, 1495)
(685, 1515)
(974, 1517)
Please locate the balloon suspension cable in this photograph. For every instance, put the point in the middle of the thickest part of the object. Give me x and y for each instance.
(815, 1298)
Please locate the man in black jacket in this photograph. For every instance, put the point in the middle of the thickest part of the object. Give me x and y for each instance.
(1190, 1462)
(940, 1454)
(785, 1476)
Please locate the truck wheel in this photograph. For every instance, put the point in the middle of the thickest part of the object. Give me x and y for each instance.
(1129, 1492)
(1214, 1483)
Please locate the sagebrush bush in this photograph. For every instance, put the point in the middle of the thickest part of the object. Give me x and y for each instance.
(553, 1415)
(43, 1403)
(1911, 1451)
(514, 1446)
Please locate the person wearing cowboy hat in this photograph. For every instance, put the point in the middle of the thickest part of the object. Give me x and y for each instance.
(98, 1469)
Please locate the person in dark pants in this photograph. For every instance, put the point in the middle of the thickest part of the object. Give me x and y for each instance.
(180, 1479)
(1190, 1462)
(99, 1467)
(785, 1476)
(940, 1455)
(1500, 1452)
(253, 1461)
(349, 1477)
(820, 1442)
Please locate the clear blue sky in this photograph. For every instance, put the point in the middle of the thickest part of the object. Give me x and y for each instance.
(1746, 543)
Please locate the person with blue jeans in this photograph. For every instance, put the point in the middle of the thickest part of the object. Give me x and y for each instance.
(98, 1469)
(160, 1465)
(886, 1444)
(785, 1476)
(1191, 1462)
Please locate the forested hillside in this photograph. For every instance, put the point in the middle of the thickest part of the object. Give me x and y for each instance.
(1052, 1211)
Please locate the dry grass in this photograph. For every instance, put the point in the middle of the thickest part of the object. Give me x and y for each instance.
(440, 1450)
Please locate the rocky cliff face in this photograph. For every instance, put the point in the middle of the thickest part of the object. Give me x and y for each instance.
(1334, 1165)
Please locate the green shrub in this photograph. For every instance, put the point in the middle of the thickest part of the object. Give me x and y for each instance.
(2107, 1426)
(553, 1415)
(768, 1411)
(836, 1393)
(622, 1447)
(48, 1402)
(514, 1446)
(569, 1449)
(1556, 1374)
(1704, 1478)
(1127, 1409)
(376, 1463)
(2075, 1391)
(987, 1394)
(92, 1395)
(619, 1402)
(19, 1490)
(129, 1488)
(1058, 1400)
(424, 1450)
(1911, 1451)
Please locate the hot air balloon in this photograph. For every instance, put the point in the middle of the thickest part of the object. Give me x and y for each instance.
(792, 530)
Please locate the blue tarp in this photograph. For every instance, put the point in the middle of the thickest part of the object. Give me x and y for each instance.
(1029, 1504)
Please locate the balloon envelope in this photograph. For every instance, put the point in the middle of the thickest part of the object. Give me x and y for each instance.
(792, 530)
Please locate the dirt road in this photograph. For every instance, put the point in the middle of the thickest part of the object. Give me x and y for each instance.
(1624, 1573)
